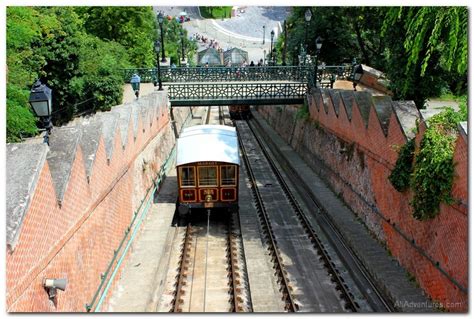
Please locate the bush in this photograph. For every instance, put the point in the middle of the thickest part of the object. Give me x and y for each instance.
(215, 12)
(20, 120)
(431, 175)
(400, 176)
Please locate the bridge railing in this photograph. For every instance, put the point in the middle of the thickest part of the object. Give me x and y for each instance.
(232, 92)
(302, 74)
(221, 74)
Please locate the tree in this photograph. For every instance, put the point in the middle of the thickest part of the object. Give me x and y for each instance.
(83, 71)
(434, 51)
(133, 27)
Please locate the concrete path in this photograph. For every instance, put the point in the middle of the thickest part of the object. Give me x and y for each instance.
(129, 95)
(140, 277)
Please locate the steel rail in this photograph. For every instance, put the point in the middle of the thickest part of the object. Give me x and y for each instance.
(290, 303)
(233, 269)
(182, 270)
(336, 233)
(307, 226)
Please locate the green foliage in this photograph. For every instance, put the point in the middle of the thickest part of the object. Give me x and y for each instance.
(434, 51)
(20, 120)
(434, 167)
(421, 50)
(173, 46)
(330, 23)
(432, 173)
(215, 12)
(101, 81)
(303, 111)
(82, 69)
(400, 176)
(132, 27)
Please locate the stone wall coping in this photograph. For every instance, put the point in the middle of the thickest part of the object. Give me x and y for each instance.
(24, 163)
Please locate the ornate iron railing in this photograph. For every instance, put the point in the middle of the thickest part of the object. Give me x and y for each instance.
(222, 74)
(235, 93)
(146, 74)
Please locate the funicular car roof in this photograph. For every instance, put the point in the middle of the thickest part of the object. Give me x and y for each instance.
(208, 143)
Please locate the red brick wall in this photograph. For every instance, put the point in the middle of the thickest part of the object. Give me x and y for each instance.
(356, 161)
(77, 239)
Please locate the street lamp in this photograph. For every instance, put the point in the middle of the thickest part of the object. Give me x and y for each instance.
(272, 34)
(356, 75)
(160, 21)
(41, 103)
(284, 44)
(263, 35)
(319, 44)
(182, 45)
(157, 50)
(307, 17)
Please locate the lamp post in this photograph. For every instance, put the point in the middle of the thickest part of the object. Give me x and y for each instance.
(319, 44)
(41, 102)
(284, 44)
(182, 45)
(356, 74)
(307, 17)
(157, 50)
(272, 34)
(160, 22)
(263, 35)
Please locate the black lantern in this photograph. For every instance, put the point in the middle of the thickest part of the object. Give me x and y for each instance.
(160, 22)
(40, 99)
(356, 75)
(272, 34)
(157, 50)
(308, 15)
(41, 103)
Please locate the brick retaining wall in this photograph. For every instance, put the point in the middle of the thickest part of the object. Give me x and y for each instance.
(351, 145)
(73, 236)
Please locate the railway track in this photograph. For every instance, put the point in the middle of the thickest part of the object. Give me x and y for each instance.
(212, 274)
(377, 300)
(300, 264)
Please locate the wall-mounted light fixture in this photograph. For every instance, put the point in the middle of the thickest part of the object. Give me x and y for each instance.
(52, 285)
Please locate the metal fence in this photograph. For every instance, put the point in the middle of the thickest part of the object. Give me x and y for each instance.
(222, 74)
(325, 74)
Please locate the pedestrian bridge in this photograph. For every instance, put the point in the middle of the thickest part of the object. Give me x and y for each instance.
(202, 86)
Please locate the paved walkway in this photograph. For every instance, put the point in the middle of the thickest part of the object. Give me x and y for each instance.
(244, 31)
(129, 95)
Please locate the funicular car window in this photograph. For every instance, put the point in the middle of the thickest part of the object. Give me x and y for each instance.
(207, 176)
(187, 176)
(228, 177)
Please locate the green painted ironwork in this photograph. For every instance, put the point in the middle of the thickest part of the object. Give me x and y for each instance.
(228, 93)
(220, 74)
(188, 86)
